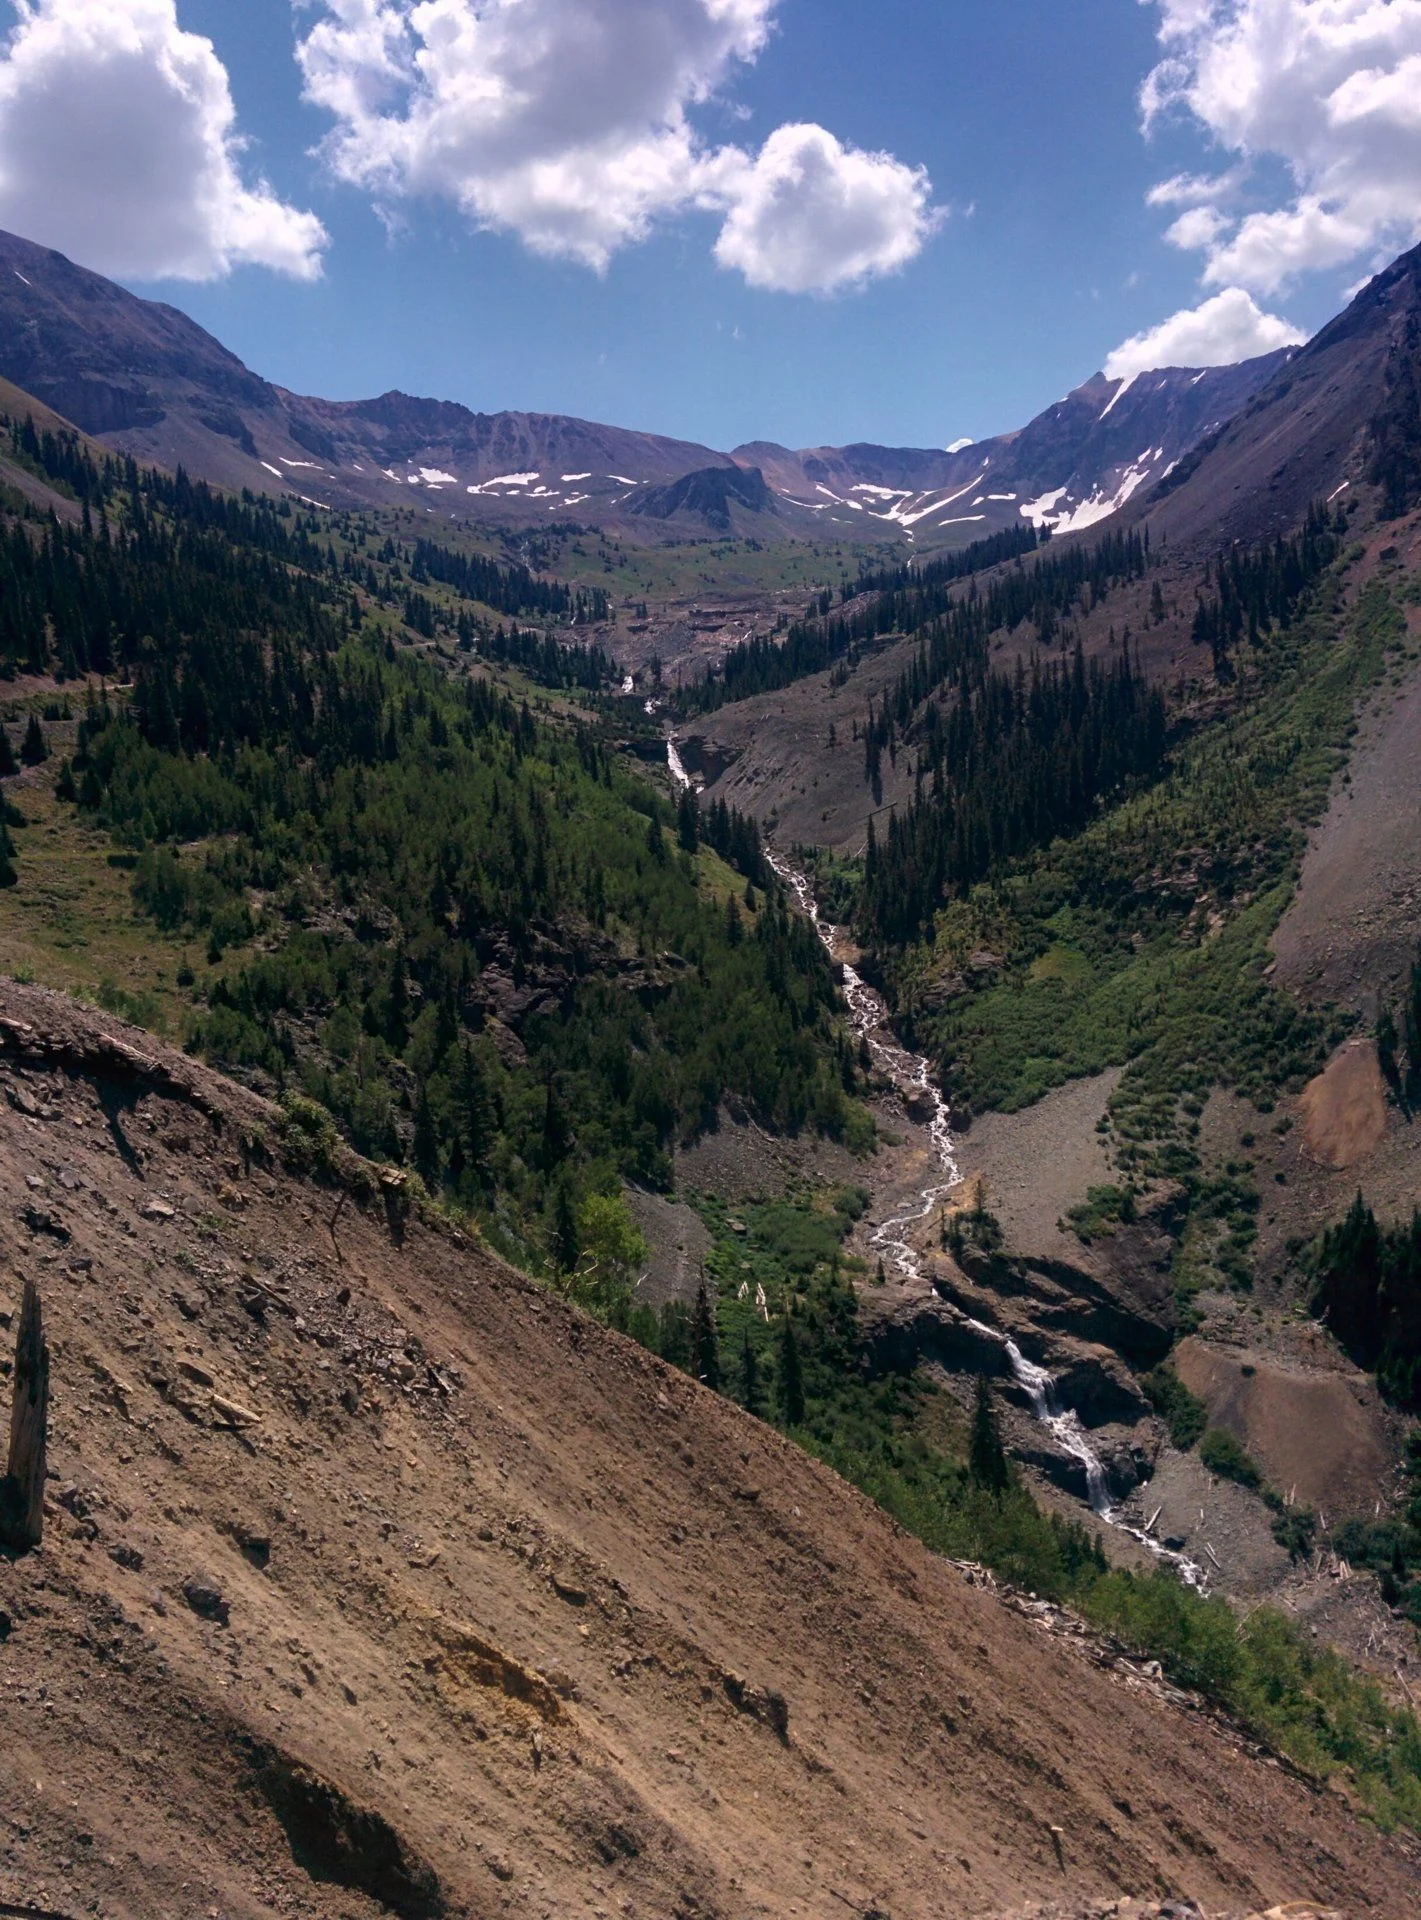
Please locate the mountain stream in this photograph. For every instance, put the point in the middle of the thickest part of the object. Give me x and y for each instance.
(911, 1074)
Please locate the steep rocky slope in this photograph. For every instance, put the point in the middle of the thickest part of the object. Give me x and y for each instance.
(1304, 435)
(377, 1580)
(1069, 468)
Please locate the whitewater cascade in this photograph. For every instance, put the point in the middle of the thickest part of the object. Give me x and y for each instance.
(912, 1074)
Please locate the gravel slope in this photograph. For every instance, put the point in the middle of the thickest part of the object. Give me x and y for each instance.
(377, 1580)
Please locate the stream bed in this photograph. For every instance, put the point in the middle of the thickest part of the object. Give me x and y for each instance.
(892, 1239)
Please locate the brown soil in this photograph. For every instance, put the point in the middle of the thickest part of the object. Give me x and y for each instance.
(1344, 1109)
(377, 1580)
(1319, 1436)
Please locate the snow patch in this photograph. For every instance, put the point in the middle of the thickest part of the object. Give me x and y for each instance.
(314, 465)
(506, 480)
(1039, 512)
(271, 469)
(1116, 397)
(883, 493)
(961, 446)
(19, 276)
(434, 477)
(620, 478)
(569, 477)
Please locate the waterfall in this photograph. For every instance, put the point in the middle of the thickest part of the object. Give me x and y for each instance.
(912, 1074)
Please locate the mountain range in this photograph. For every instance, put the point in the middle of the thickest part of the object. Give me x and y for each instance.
(584, 1389)
(142, 377)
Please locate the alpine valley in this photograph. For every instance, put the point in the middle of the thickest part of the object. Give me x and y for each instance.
(710, 1158)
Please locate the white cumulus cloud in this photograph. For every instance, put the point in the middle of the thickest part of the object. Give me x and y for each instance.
(807, 214)
(569, 123)
(1332, 89)
(119, 145)
(1224, 330)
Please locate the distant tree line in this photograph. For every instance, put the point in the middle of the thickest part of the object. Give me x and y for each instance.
(1368, 1290)
(894, 600)
(1250, 591)
(506, 589)
(1012, 762)
(542, 658)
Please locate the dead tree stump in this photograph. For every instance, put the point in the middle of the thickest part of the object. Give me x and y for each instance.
(22, 1492)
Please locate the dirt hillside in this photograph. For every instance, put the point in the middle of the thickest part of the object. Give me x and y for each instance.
(377, 1581)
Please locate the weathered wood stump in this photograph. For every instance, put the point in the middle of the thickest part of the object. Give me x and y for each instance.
(22, 1490)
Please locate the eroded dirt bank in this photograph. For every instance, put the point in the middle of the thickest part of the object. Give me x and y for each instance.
(377, 1580)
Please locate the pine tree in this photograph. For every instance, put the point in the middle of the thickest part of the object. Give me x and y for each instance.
(687, 821)
(567, 1243)
(8, 875)
(396, 1025)
(791, 1379)
(8, 763)
(674, 1340)
(1412, 1023)
(477, 1128)
(555, 1129)
(34, 749)
(705, 1344)
(1387, 1039)
(749, 1376)
(426, 1141)
(986, 1456)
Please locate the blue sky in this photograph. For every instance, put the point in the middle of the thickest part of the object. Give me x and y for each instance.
(1031, 257)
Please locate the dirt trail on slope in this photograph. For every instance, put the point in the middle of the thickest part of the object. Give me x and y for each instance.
(378, 1581)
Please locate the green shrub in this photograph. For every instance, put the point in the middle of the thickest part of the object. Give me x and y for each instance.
(1223, 1456)
(1183, 1413)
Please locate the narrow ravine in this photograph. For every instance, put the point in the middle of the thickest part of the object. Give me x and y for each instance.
(912, 1075)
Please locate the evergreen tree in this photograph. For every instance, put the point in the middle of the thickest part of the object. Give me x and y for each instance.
(567, 1240)
(986, 1456)
(397, 1021)
(477, 1117)
(791, 1379)
(555, 1129)
(1387, 1038)
(426, 1142)
(8, 763)
(749, 1376)
(674, 1338)
(705, 1342)
(1412, 1024)
(8, 875)
(687, 822)
(35, 748)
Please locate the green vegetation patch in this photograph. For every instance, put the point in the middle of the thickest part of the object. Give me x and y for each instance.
(1224, 1456)
(1183, 1412)
(905, 1442)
